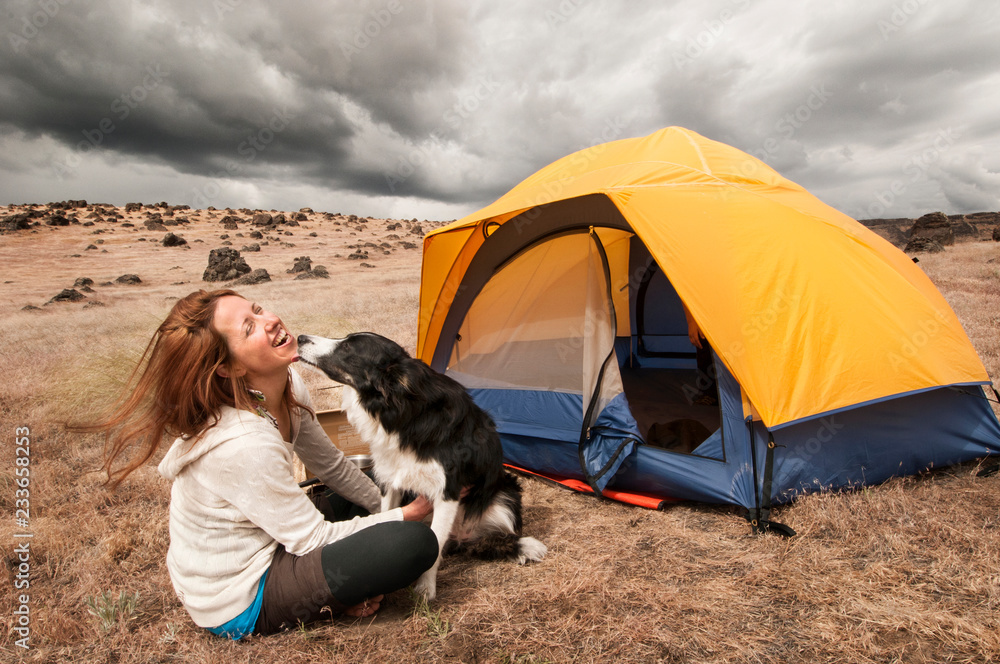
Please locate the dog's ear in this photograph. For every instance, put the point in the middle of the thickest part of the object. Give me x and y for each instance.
(397, 386)
(386, 382)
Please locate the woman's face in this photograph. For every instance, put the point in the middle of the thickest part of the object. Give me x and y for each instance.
(258, 340)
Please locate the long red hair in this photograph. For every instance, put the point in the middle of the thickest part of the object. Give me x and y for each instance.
(176, 389)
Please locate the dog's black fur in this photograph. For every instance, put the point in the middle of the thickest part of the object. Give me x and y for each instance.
(434, 418)
(433, 414)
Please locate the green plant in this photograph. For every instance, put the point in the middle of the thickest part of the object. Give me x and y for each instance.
(437, 626)
(112, 611)
(170, 633)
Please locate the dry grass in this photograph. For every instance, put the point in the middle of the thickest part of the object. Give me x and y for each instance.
(908, 571)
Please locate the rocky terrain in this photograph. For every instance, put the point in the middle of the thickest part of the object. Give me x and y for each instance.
(59, 252)
(936, 230)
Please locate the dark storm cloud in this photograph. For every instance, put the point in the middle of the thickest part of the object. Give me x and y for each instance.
(226, 87)
(450, 103)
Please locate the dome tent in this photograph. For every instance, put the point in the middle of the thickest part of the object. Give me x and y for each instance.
(561, 308)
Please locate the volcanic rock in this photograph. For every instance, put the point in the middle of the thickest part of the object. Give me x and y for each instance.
(171, 240)
(258, 276)
(128, 279)
(18, 222)
(67, 205)
(962, 228)
(68, 295)
(918, 244)
(225, 264)
(934, 226)
(318, 272)
(302, 264)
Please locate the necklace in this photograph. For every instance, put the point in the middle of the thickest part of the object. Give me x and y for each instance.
(260, 410)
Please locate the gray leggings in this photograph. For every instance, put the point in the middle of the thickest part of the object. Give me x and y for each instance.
(374, 561)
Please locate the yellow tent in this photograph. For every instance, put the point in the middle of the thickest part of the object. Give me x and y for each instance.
(807, 311)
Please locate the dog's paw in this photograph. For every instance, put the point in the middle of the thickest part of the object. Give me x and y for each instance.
(529, 549)
(426, 585)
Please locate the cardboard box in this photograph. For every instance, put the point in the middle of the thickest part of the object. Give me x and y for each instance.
(340, 431)
(343, 435)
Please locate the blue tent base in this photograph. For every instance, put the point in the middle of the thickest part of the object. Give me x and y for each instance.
(851, 447)
(861, 447)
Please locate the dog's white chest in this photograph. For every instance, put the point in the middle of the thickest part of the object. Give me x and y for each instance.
(393, 466)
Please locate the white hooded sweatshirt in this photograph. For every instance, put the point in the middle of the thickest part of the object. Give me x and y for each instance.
(235, 499)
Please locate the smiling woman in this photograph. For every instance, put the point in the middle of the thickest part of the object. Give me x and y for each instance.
(250, 552)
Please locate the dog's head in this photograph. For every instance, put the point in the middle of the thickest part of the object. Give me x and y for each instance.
(364, 360)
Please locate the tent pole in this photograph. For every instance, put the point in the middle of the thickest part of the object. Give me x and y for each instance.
(754, 516)
(762, 523)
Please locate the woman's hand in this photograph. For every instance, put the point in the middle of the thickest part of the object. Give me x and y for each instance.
(416, 510)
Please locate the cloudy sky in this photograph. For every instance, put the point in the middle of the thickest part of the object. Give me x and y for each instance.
(415, 108)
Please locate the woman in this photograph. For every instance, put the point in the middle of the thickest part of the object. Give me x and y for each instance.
(249, 551)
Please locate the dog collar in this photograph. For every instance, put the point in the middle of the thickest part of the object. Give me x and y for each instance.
(260, 410)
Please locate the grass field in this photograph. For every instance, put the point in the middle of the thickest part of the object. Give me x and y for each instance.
(908, 571)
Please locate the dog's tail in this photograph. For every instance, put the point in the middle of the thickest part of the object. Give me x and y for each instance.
(496, 532)
(483, 495)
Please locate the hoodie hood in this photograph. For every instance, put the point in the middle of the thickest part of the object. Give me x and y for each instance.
(232, 423)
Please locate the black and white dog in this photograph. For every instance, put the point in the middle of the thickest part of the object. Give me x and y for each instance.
(428, 436)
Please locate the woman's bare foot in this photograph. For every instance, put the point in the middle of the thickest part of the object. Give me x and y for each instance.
(365, 608)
